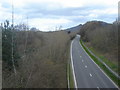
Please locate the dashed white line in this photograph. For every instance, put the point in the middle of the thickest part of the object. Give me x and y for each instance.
(99, 67)
(90, 75)
(85, 66)
(82, 60)
(98, 88)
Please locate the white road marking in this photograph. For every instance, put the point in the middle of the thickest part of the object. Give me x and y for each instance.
(98, 88)
(73, 66)
(90, 75)
(82, 60)
(98, 66)
(85, 66)
(80, 56)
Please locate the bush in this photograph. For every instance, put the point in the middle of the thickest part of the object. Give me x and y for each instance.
(7, 46)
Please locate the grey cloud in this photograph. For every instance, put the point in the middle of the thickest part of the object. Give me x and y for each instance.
(41, 10)
(38, 9)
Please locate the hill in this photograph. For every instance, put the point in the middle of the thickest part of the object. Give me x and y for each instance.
(74, 29)
(103, 38)
(40, 58)
(91, 26)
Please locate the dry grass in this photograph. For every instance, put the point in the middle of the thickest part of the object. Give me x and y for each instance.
(44, 62)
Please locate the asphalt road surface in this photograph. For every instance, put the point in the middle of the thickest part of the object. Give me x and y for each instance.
(85, 72)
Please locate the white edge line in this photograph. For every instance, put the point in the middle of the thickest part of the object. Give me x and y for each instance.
(73, 67)
(98, 66)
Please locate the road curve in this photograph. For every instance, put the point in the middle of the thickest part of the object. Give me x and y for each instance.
(86, 73)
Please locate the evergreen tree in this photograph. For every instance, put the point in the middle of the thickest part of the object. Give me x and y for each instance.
(7, 45)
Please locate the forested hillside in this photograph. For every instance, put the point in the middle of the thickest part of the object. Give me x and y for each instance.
(40, 58)
(103, 38)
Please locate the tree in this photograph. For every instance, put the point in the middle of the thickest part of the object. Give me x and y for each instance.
(33, 29)
(21, 27)
(7, 46)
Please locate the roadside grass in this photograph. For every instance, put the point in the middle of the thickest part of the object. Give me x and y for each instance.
(71, 80)
(112, 65)
(70, 71)
(112, 76)
(70, 75)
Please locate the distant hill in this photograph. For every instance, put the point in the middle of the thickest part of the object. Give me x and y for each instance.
(91, 26)
(74, 29)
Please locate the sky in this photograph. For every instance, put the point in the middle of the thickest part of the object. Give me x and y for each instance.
(49, 15)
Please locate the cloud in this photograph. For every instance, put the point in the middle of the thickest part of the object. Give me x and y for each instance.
(47, 14)
(49, 24)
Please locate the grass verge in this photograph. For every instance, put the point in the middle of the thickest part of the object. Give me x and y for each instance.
(112, 64)
(70, 76)
(112, 76)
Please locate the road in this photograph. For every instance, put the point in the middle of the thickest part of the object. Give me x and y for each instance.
(86, 73)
